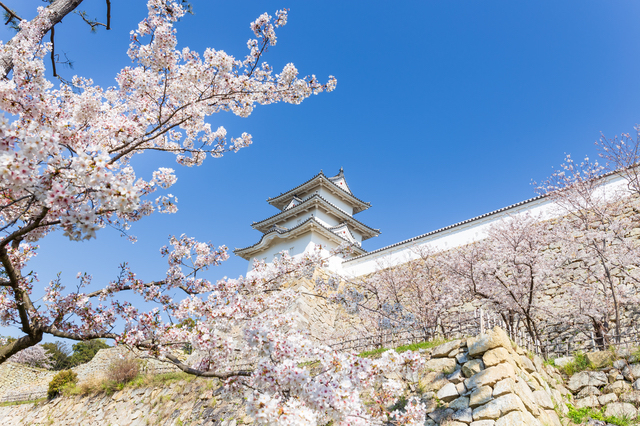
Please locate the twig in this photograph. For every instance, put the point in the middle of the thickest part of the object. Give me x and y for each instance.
(53, 50)
(12, 15)
(108, 14)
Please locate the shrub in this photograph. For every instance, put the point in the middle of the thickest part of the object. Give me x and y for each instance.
(61, 380)
(581, 415)
(123, 370)
(580, 363)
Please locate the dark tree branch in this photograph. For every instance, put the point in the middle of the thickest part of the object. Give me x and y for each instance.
(19, 344)
(93, 24)
(59, 333)
(60, 9)
(53, 51)
(11, 14)
(175, 361)
(108, 14)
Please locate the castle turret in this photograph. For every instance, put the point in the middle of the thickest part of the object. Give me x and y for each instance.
(318, 212)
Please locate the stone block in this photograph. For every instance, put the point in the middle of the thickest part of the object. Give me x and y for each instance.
(456, 377)
(632, 397)
(538, 362)
(631, 372)
(465, 415)
(527, 364)
(588, 391)
(517, 418)
(496, 356)
(607, 398)
(460, 403)
(619, 364)
(498, 407)
(600, 359)
(504, 386)
(480, 396)
(492, 339)
(587, 378)
(448, 393)
(441, 414)
(483, 423)
(617, 387)
(462, 357)
(549, 418)
(543, 399)
(621, 409)
(526, 396)
(433, 381)
(589, 401)
(472, 367)
(490, 376)
(563, 361)
(446, 365)
(444, 349)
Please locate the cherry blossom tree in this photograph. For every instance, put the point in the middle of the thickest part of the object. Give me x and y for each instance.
(508, 271)
(411, 295)
(33, 356)
(600, 257)
(65, 165)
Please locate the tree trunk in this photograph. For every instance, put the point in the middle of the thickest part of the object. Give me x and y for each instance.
(60, 8)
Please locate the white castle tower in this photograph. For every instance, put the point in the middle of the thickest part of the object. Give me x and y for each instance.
(318, 212)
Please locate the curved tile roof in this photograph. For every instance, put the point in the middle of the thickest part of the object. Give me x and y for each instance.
(446, 228)
(288, 212)
(237, 251)
(359, 205)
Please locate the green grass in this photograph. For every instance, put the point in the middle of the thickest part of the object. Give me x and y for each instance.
(32, 401)
(583, 414)
(374, 353)
(109, 387)
(580, 363)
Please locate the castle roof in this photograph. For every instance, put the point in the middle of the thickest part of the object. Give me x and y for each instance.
(335, 184)
(311, 224)
(312, 202)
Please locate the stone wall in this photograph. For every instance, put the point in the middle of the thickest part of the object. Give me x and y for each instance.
(479, 381)
(178, 403)
(17, 380)
(488, 381)
(484, 380)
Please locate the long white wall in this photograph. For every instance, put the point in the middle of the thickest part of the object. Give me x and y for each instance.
(463, 233)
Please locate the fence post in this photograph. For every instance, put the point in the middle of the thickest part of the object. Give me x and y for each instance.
(593, 341)
(481, 322)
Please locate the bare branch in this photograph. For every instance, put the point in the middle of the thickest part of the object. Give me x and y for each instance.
(10, 13)
(108, 14)
(59, 333)
(53, 51)
(92, 23)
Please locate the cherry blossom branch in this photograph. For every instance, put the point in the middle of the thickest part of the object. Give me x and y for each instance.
(58, 10)
(54, 331)
(34, 223)
(223, 376)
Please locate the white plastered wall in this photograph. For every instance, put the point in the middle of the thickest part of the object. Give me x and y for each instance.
(466, 233)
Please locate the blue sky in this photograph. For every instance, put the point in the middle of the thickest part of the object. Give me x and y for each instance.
(443, 111)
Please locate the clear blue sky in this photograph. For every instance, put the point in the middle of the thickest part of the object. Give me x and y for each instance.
(444, 110)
